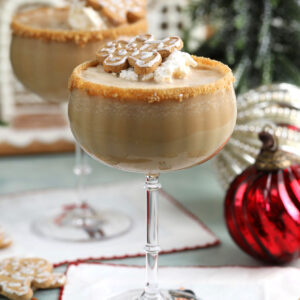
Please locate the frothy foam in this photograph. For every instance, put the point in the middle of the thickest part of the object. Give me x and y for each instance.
(46, 18)
(196, 77)
(77, 17)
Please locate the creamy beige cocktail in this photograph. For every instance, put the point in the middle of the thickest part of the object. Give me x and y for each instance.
(145, 106)
(45, 49)
(152, 127)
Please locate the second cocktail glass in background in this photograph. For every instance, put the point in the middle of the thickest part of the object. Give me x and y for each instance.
(44, 51)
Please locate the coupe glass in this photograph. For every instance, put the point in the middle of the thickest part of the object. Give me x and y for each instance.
(150, 137)
(44, 66)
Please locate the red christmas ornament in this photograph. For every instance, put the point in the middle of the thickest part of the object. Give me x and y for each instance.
(262, 206)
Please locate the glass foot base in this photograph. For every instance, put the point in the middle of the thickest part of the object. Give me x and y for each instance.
(163, 295)
(139, 295)
(82, 224)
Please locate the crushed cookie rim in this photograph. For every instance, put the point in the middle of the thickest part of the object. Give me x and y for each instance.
(80, 37)
(152, 94)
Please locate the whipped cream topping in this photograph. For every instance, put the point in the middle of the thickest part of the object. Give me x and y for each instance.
(84, 18)
(177, 65)
(129, 74)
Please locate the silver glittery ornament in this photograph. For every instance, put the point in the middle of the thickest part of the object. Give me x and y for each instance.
(275, 108)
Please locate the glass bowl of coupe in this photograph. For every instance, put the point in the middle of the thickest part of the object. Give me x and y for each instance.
(150, 108)
(47, 43)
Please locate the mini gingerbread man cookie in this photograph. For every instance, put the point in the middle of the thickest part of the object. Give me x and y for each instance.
(143, 53)
(120, 11)
(5, 241)
(19, 277)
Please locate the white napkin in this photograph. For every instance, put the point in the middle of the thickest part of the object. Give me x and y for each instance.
(179, 230)
(99, 282)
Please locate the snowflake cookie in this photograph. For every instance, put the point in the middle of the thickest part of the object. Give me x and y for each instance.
(143, 53)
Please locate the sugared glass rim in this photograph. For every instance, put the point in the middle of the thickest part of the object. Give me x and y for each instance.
(153, 94)
(80, 37)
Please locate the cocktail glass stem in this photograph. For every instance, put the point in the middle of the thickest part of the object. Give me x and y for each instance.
(82, 222)
(152, 248)
(81, 170)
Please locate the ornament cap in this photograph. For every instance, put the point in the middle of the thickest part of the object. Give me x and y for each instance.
(271, 158)
(270, 142)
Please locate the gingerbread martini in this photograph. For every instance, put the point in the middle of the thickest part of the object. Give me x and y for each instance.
(177, 113)
(145, 106)
(48, 42)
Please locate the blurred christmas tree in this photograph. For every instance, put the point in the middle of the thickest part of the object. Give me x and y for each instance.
(259, 39)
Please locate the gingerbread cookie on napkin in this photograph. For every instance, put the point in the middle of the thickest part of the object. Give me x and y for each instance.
(143, 53)
(5, 241)
(20, 277)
